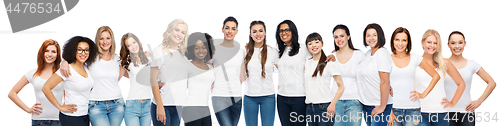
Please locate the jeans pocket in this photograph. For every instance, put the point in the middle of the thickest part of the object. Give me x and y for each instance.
(91, 104)
(272, 96)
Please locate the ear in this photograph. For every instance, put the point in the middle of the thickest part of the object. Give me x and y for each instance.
(348, 37)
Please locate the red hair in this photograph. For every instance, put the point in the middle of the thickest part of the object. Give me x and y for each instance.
(40, 60)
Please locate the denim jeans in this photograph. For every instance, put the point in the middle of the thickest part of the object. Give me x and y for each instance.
(106, 113)
(291, 106)
(45, 123)
(172, 113)
(407, 117)
(458, 119)
(377, 120)
(316, 115)
(74, 120)
(434, 119)
(267, 105)
(196, 116)
(227, 110)
(348, 113)
(138, 113)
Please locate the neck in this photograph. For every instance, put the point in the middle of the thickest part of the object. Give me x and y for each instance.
(173, 46)
(317, 56)
(77, 64)
(197, 61)
(288, 44)
(344, 49)
(428, 57)
(456, 58)
(48, 66)
(227, 43)
(374, 50)
(259, 45)
(400, 54)
(106, 53)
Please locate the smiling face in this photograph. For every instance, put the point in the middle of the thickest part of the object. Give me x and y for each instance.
(50, 54)
(178, 34)
(132, 45)
(341, 38)
(371, 37)
(285, 33)
(230, 30)
(258, 33)
(105, 41)
(456, 44)
(315, 47)
(401, 42)
(430, 44)
(200, 50)
(82, 52)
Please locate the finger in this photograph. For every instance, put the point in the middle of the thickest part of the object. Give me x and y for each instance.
(37, 104)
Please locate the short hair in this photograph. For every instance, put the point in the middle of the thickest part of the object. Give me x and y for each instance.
(41, 57)
(295, 39)
(71, 46)
(455, 32)
(401, 30)
(207, 41)
(349, 42)
(380, 35)
(230, 18)
(98, 36)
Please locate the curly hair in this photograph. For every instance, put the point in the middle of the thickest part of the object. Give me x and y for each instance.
(71, 46)
(126, 57)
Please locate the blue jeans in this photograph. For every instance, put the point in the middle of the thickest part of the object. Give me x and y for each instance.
(196, 116)
(317, 115)
(458, 119)
(106, 113)
(377, 120)
(267, 109)
(434, 119)
(289, 108)
(227, 110)
(45, 123)
(348, 113)
(138, 113)
(172, 113)
(407, 117)
(74, 120)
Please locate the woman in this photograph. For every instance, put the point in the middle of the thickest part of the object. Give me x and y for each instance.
(406, 106)
(80, 53)
(467, 68)
(292, 56)
(373, 77)
(200, 79)
(106, 106)
(259, 64)
(42, 113)
(317, 76)
(348, 59)
(133, 59)
(433, 107)
(170, 67)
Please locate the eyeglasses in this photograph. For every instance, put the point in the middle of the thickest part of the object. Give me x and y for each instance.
(286, 31)
(80, 51)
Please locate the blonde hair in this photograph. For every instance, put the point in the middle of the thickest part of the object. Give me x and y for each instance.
(98, 36)
(437, 56)
(166, 37)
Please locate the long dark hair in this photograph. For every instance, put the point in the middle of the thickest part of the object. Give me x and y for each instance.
(126, 57)
(349, 42)
(295, 39)
(250, 49)
(321, 63)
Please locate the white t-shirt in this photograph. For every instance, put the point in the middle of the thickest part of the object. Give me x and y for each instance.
(255, 84)
(317, 88)
(49, 112)
(291, 72)
(431, 103)
(403, 82)
(139, 90)
(368, 76)
(348, 72)
(77, 90)
(174, 72)
(106, 74)
(231, 59)
(467, 72)
(199, 84)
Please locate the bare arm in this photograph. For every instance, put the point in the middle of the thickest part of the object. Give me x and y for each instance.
(384, 93)
(340, 91)
(435, 78)
(455, 75)
(243, 75)
(491, 85)
(160, 111)
(123, 72)
(65, 69)
(52, 82)
(13, 96)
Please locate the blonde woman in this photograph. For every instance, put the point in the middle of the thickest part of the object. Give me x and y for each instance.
(169, 65)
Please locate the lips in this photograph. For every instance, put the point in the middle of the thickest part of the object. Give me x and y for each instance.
(284, 37)
(49, 58)
(229, 35)
(82, 57)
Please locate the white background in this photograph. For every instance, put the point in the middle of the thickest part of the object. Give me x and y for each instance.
(478, 20)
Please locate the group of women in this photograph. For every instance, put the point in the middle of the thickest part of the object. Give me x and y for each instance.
(176, 80)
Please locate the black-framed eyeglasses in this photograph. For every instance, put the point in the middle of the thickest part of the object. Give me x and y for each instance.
(80, 51)
(286, 31)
